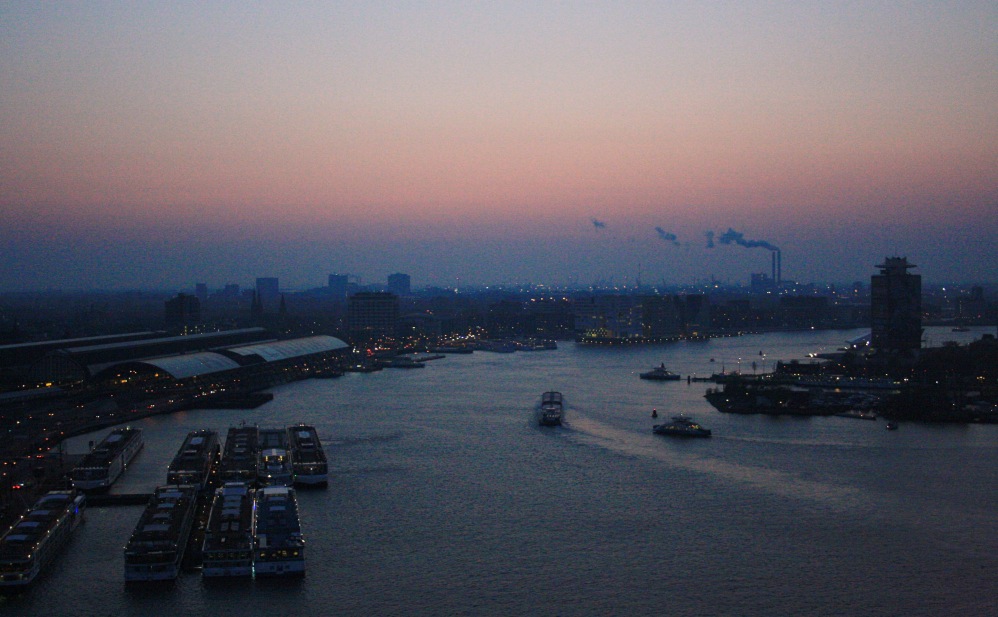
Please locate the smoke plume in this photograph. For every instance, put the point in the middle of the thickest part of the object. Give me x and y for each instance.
(668, 237)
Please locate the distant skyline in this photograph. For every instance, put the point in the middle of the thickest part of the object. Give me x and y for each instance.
(151, 145)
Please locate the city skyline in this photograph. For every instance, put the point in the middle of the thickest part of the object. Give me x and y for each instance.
(149, 146)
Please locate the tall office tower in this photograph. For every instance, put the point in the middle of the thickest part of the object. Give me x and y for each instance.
(896, 307)
(338, 287)
(182, 312)
(201, 292)
(399, 284)
(372, 314)
(268, 292)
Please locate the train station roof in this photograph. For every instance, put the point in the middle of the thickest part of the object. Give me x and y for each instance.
(273, 351)
(193, 364)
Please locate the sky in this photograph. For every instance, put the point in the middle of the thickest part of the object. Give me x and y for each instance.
(159, 144)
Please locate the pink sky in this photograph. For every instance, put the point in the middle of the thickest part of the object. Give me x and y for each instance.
(445, 121)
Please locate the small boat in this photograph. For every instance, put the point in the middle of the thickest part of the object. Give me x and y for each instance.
(551, 410)
(892, 425)
(681, 426)
(660, 373)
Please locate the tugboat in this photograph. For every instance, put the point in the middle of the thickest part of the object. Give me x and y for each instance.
(660, 373)
(681, 426)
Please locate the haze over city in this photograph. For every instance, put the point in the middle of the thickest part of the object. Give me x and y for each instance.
(153, 145)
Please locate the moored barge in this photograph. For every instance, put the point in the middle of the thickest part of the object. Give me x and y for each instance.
(36, 538)
(307, 456)
(157, 545)
(228, 541)
(240, 456)
(193, 462)
(276, 466)
(99, 469)
(279, 548)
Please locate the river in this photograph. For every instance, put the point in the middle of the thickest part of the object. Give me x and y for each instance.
(446, 498)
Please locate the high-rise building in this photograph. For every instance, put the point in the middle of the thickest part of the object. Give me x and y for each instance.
(182, 312)
(896, 307)
(201, 292)
(399, 284)
(268, 292)
(372, 314)
(338, 287)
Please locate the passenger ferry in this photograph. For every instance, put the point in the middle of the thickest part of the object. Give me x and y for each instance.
(104, 464)
(240, 456)
(276, 467)
(228, 541)
(193, 462)
(156, 548)
(551, 409)
(279, 548)
(308, 458)
(36, 538)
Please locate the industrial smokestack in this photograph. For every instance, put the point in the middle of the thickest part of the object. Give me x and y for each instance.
(774, 267)
(779, 266)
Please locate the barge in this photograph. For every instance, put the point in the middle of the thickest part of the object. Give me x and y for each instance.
(194, 461)
(276, 466)
(156, 548)
(240, 456)
(37, 537)
(279, 548)
(99, 469)
(228, 540)
(307, 456)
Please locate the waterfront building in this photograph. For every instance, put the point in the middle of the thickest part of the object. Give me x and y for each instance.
(372, 314)
(896, 307)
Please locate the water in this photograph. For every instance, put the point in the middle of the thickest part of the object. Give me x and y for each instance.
(447, 499)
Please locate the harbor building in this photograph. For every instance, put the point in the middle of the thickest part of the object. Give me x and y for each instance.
(896, 307)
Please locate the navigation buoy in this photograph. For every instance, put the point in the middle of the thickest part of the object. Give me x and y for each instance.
(654, 413)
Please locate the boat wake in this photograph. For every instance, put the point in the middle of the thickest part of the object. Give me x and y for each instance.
(946, 526)
(649, 446)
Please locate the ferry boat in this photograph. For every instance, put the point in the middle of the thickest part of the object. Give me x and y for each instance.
(36, 538)
(228, 540)
(240, 457)
(275, 466)
(307, 456)
(279, 548)
(660, 373)
(157, 545)
(551, 411)
(104, 464)
(193, 462)
(681, 426)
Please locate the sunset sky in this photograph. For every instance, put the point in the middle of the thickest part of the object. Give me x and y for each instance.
(159, 144)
